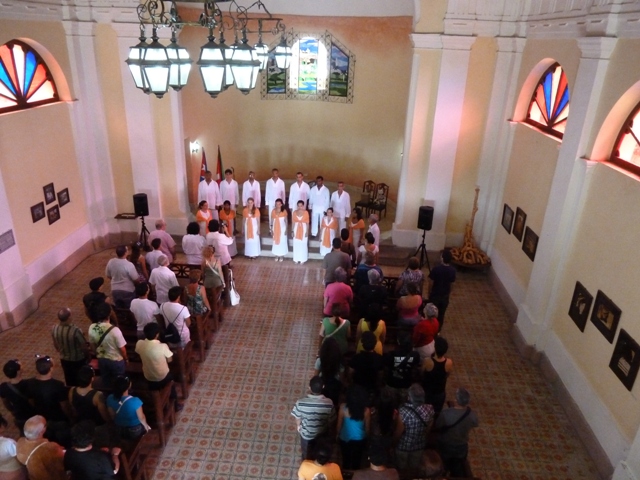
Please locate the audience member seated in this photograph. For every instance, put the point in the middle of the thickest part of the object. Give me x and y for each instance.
(361, 274)
(152, 257)
(14, 394)
(143, 309)
(401, 366)
(162, 278)
(373, 292)
(10, 467)
(435, 371)
(334, 259)
(329, 366)
(336, 327)
(85, 462)
(378, 470)
(312, 469)
(454, 425)
(108, 343)
(137, 259)
(70, 343)
(409, 307)
(414, 424)
(126, 410)
(49, 398)
(412, 274)
(86, 402)
(368, 247)
(192, 244)
(195, 295)
(425, 332)
(177, 314)
(347, 247)
(43, 459)
(338, 293)
(372, 323)
(365, 368)
(123, 277)
(354, 422)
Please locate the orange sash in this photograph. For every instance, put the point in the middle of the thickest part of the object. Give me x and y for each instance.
(249, 217)
(203, 218)
(299, 221)
(326, 233)
(277, 232)
(228, 218)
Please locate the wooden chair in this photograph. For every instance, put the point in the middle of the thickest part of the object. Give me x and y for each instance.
(132, 460)
(368, 189)
(379, 201)
(182, 367)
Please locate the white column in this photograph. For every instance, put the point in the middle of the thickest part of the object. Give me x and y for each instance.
(179, 149)
(90, 130)
(454, 67)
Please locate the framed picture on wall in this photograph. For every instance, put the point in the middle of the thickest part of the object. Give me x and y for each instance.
(518, 225)
(37, 212)
(49, 194)
(605, 316)
(530, 243)
(507, 218)
(63, 197)
(625, 360)
(580, 306)
(53, 214)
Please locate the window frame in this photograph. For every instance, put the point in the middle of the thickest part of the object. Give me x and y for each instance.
(615, 158)
(540, 126)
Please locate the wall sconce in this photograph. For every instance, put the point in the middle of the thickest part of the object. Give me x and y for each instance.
(195, 147)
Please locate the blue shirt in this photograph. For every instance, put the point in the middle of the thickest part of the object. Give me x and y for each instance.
(126, 416)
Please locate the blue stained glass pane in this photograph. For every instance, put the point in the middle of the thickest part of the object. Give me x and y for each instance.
(4, 78)
(30, 65)
(563, 101)
(548, 85)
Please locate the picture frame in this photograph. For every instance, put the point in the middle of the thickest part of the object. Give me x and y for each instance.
(49, 193)
(580, 306)
(625, 360)
(518, 224)
(530, 243)
(507, 218)
(37, 212)
(605, 316)
(63, 197)
(53, 214)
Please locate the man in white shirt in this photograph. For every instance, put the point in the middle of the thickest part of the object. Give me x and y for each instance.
(143, 309)
(319, 201)
(152, 257)
(167, 243)
(298, 191)
(208, 190)
(174, 312)
(341, 204)
(274, 190)
(229, 189)
(220, 242)
(251, 189)
(374, 228)
(123, 275)
(163, 279)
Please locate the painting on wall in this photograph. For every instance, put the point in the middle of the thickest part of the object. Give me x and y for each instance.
(530, 244)
(625, 360)
(49, 193)
(518, 225)
(580, 306)
(37, 212)
(53, 214)
(507, 218)
(63, 197)
(605, 316)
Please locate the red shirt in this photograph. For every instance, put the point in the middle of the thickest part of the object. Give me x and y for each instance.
(425, 331)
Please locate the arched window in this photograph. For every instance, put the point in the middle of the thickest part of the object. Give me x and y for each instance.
(626, 153)
(25, 80)
(549, 107)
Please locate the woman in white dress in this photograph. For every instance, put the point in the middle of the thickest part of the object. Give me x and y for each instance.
(203, 215)
(328, 229)
(300, 233)
(251, 217)
(228, 216)
(192, 244)
(278, 229)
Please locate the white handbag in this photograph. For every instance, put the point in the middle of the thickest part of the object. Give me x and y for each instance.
(234, 296)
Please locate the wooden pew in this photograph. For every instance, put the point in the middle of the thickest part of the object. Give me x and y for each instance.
(132, 460)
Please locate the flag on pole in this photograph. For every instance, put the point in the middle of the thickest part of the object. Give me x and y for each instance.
(219, 169)
(203, 167)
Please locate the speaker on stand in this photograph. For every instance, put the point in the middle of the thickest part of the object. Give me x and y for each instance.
(141, 209)
(425, 222)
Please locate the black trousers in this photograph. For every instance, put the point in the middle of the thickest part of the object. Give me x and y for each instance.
(70, 369)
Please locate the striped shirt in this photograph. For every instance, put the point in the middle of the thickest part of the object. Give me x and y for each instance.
(69, 341)
(316, 413)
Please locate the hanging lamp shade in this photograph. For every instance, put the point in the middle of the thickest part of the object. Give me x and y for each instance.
(283, 54)
(245, 66)
(262, 53)
(212, 67)
(134, 61)
(156, 66)
(180, 64)
(227, 54)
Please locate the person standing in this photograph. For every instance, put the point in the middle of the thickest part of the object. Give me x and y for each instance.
(221, 241)
(356, 227)
(435, 371)
(251, 216)
(274, 190)
(298, 191)
(162, 279)
(43, 459)
(319, 201)
(14, 394)
(354, 419)
(123, 276)
(334, 259)
(203, 215)
(193, 243)
(374, 229)
(328, 232)
(441, 279)
(229, 189)
(177, 314)
(416, 418)
(109, 344)
(300, 233)
(152, 257)
(10, 467)
(228, 221)
(70, 343)
(208, 190)
(167, 243)
(341, 204)
(251, 189)
(278, 230)
(143, 309)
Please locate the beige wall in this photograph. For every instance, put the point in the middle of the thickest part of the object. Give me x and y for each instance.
(351, 142)
(432, 14)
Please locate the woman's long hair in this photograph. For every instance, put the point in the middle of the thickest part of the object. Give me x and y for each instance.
(373, 316)
(330, 358)
(357, 399)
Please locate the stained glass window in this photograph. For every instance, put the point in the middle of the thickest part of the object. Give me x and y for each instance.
(626, 153)
(549, 106)
(25, 80)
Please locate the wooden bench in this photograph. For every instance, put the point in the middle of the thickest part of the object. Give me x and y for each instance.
(132, 460)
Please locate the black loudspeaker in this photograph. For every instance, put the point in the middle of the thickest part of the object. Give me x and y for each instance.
(140, 205)
(425, 218)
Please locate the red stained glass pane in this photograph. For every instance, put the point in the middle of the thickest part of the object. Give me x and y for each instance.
(39, 77)
(549, 107)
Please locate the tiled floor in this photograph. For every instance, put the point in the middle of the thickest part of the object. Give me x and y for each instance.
(236, 422)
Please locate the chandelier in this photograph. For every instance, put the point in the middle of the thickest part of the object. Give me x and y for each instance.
(155, 67)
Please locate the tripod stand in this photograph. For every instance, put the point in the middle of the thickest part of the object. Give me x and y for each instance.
(144, 233)
(423, 252)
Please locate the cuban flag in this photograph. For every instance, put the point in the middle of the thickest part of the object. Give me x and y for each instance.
(203, 167)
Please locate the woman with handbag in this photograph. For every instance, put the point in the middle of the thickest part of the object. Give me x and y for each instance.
(336, 327)
(126, 411)
(213, 282)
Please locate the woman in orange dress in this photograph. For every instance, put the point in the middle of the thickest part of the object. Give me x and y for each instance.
(300, 233)
(203, 215)
(251, 215)
(278, 229)
(228, 217)
(356, 227)
(328, 230)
